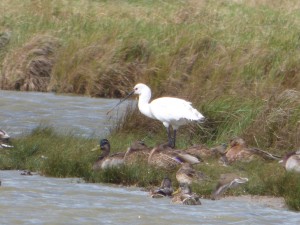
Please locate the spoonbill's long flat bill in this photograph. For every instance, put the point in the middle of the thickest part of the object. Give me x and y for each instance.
(172, 112)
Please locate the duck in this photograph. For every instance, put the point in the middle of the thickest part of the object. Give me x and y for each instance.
(168, 158)
(187, 174)
(4, 139)
(165, 189)
(138, 152)
(107, 161)
(291, 161)
(202, 151)
(185, 196)
(227, 181)
(26, 173)
(239, 151)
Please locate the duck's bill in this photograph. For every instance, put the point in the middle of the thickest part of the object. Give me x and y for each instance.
(96, 148)
(122, 100)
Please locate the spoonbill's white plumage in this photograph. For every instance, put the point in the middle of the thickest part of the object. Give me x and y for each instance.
(172, 112)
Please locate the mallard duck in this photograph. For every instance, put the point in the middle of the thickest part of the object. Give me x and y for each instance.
(168, 158)
(105, 160)
(137, 152)
(187, 174)
(184, 195)
(164, 190)
(227, 181)
(291, 161)
(203, 152)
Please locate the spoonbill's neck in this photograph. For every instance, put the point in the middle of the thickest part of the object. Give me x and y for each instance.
(144, 105)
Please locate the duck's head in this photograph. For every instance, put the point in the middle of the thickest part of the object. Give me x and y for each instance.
(237, 141)
(138, 145)
(185, 188)
(104, 145)
(166, 183)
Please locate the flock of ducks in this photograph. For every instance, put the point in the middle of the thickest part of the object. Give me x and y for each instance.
(167, 158)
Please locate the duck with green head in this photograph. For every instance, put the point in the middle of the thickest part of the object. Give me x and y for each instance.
(105, 160)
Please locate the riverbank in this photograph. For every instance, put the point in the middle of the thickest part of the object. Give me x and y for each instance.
(236, 61)
(71, 156)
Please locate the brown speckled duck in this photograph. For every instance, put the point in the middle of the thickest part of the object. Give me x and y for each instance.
(187, 174)
(137, 152)
(291, 161)
(168, 158)
(200, 151)
(107, 161)
(226, 181)
(238, 151)
(184, 195)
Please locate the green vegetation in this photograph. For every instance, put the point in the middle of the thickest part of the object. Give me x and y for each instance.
(237, 61)
(67, 155)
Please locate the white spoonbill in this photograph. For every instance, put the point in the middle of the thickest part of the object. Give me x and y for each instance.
(172, 112)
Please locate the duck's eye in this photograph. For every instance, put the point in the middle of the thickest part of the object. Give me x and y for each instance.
(135, 89)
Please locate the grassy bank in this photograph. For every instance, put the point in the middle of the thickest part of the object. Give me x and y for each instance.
(70, 156)
(237, 61)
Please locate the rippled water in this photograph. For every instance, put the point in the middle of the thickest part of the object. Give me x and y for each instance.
(42, 200)
(23, 111)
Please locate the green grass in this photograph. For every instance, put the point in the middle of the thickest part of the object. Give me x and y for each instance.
(237, 61)
(71, 156)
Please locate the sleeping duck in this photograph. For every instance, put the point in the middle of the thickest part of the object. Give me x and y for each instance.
(168, 158)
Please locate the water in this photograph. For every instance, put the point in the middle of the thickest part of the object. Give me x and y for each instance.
(23, 111)
(43, 200)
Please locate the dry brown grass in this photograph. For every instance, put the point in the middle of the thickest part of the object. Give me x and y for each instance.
(29, 67)
(277, 126)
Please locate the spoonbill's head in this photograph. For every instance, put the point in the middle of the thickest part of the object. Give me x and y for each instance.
(141, 89)
(104, 144)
